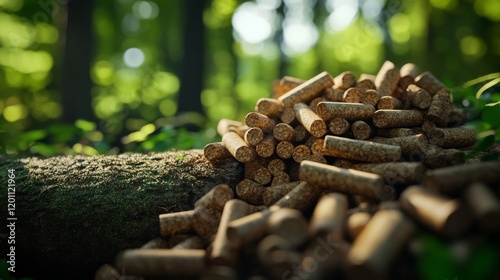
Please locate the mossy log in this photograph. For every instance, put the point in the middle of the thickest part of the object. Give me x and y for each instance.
(75, 213)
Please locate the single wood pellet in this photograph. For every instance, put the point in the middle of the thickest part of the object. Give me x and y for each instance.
(349, 111)
(254, 136)
(361, 150)
(308, 90)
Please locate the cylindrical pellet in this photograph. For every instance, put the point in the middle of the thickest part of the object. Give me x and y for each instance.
(289, 224)
(341, 179)
(288, 115)
(352, 95)
(163, 263)
(314, 103)
(205, 223)
(343, 163)
(266, 147)
(395, 132)
(414, 145)
(397, 118)
(301, 197)
(250, 191)
(436, 157)
(360, 150)
(285, 84)
(430, 83)
(249, 228)
(356, 222)
(261, 176)
(284, 149)
(300, 133)
(418, 97)
(455, 137)
(312, 122)
(370, 96)
(238, 147)
(216, 198)
(407, 74)
(308, 90)
(276, 192)
(280, 178)
(254, 136)
(193, 242)
(300, 153)
(395, 172)
(334, 95)
(345, 80)
(224, 252)
(276, 255)
(349, 111)
(225, 125)
(269, 106)
(339, 126)
(484, 205)
(254, 119)
(376, 247)
(439, 110)
(317, 146)
(283, 132)
(457, 117)
(455, 178)
(156, 243)
(328, 216)
(387, 78)
(445, 216)
(361, 130)
(173, 223)
(389, 102)
(365, 83)
(215, 151)
(276, 166)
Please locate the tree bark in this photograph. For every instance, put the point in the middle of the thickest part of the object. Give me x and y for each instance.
(75, 213)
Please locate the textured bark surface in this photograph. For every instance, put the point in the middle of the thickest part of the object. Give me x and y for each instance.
(75, 213)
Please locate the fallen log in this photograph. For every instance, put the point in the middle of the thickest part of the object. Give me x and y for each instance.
(75, 213)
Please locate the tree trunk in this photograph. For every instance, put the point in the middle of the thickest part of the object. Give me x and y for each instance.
(76, 213)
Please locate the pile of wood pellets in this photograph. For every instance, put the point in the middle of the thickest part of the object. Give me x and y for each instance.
(340, 174)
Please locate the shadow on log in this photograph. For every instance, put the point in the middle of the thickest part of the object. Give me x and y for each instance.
(77, 213)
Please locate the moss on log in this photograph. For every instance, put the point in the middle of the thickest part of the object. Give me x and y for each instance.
(75, 213)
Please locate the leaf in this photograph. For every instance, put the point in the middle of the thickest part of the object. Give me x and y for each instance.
(493, 104)
(485, 143)
(487, 86)
(491, 116)
(482, 79)
(85, 125)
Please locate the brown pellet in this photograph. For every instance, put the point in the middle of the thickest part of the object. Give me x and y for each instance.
(254, 136)
(284, 149)
(249, 228)
(430, 83)
(288, 115)
(408, 73)
(317, 158)
(276, 166)
(312, 122)
(395, 172)
(328, 216)
(484, 205)
(250, 191)
(308, 90)
(280, 178)
(238, 147)
(334, 95)
(174, 223)
(276, 192)
(352, 95)
(225, 125)
(315, 102)
(276, 255)
(339, 126)
(269, 106)
(375, 248)
(302, 197)
(341, 179)
(437, 157)
(387, 78)
(193, 242)
(443, 215)
(361, 130)
(290, 225)
(395, 132)
(283, 132)
(300, 153)
(254, 119)
(439, 110)
(356, 222)
(389, 102)
(413, 145)
(156, 243)
(418, 97)
(360, 150)
(345, 80)
(224, 252)
(343, 163)
(317, 146)
(455, 178)
(457, 117)
(397, 118)
(370, 96)
(162, 262)
(300, 133)
(205, 223)
(287, 83)
(216, 198)
(215, 151)
(261, 176)
(454, 137)
(349, 111)
(266, 147)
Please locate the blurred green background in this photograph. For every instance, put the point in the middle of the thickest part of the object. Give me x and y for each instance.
(90, 77)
